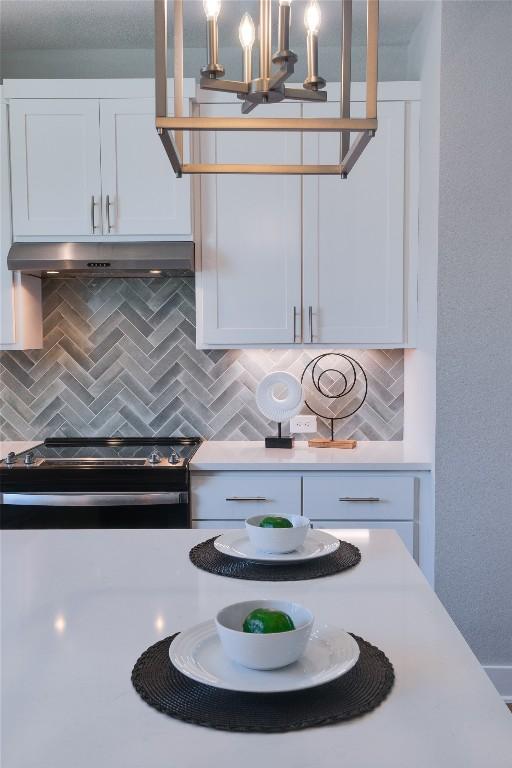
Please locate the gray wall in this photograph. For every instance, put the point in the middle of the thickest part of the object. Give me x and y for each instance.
(139, 62)
(474, 362)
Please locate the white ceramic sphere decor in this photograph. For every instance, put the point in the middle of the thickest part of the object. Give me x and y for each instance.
(281, 408)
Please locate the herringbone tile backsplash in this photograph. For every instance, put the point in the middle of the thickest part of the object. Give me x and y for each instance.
(119, 358)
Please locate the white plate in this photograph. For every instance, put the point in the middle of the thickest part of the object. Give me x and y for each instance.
(237, 544)
(198, 654)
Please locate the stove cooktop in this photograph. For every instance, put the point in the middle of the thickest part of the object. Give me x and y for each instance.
(100, 464)
(109, 452)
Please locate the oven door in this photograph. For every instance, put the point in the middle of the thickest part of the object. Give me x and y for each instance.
(94, 510)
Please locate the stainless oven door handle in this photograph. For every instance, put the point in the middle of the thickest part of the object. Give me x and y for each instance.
(95, 499)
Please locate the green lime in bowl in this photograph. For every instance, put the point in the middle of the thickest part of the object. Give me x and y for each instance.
(266, 621)
(272, 521)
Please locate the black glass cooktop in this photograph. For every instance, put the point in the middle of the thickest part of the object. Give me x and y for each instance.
(113, 452)
(100, 465)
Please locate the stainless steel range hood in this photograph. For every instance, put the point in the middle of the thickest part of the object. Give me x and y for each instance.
(149, 259)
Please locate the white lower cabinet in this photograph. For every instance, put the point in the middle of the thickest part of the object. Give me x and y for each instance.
(369, 500)
(238, 495)
(404, 530)
(342, 496)
(330, 499)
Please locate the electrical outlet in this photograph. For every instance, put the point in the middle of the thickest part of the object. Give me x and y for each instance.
(301, 424)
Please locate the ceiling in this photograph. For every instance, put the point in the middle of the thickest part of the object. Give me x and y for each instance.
(118, 24)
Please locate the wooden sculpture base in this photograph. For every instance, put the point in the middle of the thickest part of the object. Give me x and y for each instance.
(318, 442)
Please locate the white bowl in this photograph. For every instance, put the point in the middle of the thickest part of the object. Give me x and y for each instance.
(263, 651)
(277, 540)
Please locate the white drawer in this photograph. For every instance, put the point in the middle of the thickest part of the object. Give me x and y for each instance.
(404, 530)
(238, 495)
(358, 497)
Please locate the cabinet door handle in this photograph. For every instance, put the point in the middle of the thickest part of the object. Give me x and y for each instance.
(93, 223)
(246, 498)
(294, 324)
(360, 498)
(107, 211)
(310, 315)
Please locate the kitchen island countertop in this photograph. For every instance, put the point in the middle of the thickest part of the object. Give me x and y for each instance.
(79, 607)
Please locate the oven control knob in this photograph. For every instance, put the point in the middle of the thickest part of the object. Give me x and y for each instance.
(155, 458)
(174, 458)
(29, 458)
(10, 458)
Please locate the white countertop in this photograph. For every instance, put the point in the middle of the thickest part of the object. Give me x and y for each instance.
(79, 607)
(238, 455)
(18, 446)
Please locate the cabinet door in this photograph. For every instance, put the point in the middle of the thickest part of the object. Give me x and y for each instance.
(21, 321)
(55, 167)
(145, 196)
(250, 236)
(7, 327)
(404, 530)
(353, 235)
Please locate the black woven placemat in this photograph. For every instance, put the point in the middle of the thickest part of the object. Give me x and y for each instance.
(206, 557)
(360, 690)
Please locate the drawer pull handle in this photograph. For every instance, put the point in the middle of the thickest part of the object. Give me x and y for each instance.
(360, 498)
(246, 498)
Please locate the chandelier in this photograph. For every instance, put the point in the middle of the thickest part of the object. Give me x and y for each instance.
(268, 87)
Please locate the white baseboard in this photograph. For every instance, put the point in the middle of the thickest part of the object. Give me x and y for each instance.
(501, 677)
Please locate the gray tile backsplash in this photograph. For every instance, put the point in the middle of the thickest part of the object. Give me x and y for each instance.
(119, 357)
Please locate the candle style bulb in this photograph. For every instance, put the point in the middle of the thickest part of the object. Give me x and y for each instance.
(246, 31)
(312, 17)
(213, 69)
(211, 8)
(283, 55)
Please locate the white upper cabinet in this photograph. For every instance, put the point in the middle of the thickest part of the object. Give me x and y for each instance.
(138, 183)
(250, 283)
(20, 295)
(93, 168)
(353, 234)
(55, 166)
(338, 255)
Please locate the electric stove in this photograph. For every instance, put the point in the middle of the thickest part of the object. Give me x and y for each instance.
(103, 482)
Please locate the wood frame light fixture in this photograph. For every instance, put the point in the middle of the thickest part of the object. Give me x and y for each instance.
(268, 88)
